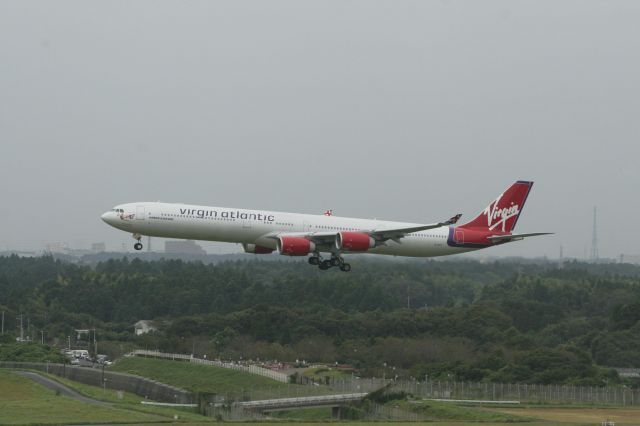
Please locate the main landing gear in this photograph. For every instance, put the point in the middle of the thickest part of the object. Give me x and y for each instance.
(325, 264)
(138, 245)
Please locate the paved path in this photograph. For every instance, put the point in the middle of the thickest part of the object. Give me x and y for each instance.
(57, 386)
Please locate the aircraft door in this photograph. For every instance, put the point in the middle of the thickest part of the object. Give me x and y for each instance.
(306, 226)
(459, 237)
(140, 212)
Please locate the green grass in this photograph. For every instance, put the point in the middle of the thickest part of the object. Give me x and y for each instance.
(194, 377)
(307, 414)
(433, 410)
(22, 401)
(214, 380)
(95, 392)
(380, 423)
(130, 401)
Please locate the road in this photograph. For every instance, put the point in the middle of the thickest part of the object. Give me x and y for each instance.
(64, 390)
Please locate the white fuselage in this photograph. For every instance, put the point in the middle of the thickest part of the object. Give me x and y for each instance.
(169, 220)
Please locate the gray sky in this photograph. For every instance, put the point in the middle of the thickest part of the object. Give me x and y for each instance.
(402, 110)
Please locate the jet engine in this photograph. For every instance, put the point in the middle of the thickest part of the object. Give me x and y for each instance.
(254, 248)
(295, 246)
(354, 241)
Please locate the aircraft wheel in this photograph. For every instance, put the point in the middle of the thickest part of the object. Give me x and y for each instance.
(325, 264)
(314, 260)
(137, 246)
(335, 261)
(345, 267)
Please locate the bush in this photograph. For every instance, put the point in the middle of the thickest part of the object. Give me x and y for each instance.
(29, 352)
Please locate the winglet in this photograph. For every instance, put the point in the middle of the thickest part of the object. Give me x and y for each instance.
(453, 220)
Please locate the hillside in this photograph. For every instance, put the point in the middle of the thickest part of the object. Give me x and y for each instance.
(209, 379)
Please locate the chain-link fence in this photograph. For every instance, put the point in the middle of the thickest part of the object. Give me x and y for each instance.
(481, 391)
(247, 368)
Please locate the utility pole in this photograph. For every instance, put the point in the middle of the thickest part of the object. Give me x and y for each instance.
(42, 334)
(95, 344)
(594, 238)
(2, 322)
(21, 329)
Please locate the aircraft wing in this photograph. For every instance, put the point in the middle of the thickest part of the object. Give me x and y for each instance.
(381, 235)
(515, 237)
(396, 234)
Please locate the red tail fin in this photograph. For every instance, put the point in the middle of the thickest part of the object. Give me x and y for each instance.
(502, 214)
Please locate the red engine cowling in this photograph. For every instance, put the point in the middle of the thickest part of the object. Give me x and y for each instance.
(354, 241)
(295, 246)
(254, 248)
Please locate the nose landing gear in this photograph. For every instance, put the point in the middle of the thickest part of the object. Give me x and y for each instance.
(138, 245)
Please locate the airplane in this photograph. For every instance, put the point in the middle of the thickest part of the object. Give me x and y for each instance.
(293, 234)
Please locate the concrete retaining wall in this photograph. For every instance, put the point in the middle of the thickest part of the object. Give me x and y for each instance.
(141, 386)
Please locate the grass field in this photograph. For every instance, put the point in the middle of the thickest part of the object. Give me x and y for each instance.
(365, 423)
(621, 416)
(23, 401)
(427, 411)
(438, 411)
(131, 401)
(308, 414)
(211, 379)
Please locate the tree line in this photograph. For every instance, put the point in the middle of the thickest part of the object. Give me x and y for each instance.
(509, 321)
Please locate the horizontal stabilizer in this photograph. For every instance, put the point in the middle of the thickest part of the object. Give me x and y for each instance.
(515, 237)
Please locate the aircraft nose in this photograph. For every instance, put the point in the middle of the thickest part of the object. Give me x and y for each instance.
(107, 217)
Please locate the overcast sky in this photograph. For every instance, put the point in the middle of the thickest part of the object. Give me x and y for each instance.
(402, 110)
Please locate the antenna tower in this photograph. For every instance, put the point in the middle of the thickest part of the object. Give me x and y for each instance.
(594, 237)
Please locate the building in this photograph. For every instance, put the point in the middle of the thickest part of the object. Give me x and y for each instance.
(183, 247)
(143, 327)
(57, 247)
(98, 247)
(628, 373)
(630, 258)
